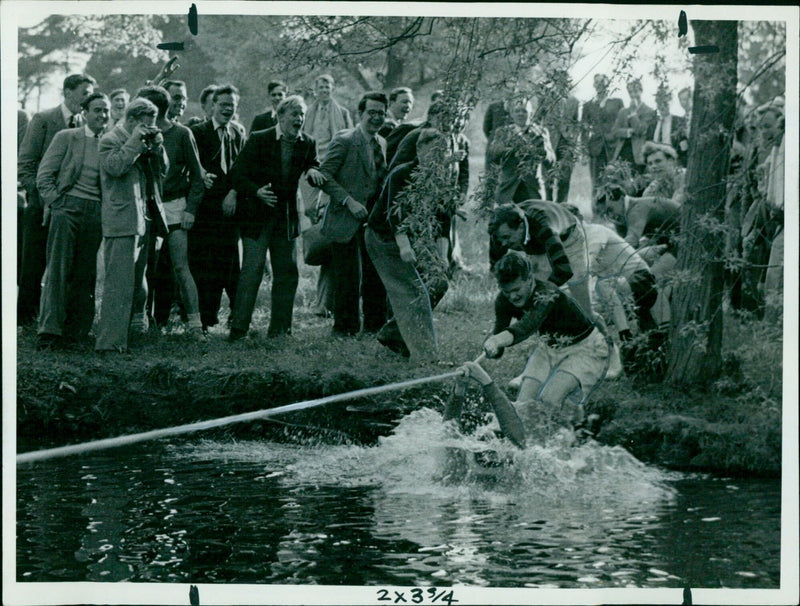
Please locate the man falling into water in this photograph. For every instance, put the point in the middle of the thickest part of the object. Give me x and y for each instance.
(570, 356)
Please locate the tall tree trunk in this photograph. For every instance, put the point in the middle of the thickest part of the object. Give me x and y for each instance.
(696, 333)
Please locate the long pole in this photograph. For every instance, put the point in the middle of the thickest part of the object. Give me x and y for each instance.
(63, 451)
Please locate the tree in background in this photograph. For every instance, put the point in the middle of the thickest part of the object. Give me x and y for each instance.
(696, 331)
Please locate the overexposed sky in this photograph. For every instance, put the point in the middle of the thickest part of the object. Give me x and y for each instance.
(597, 51)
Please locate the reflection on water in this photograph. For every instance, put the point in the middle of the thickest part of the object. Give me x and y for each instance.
(414, 510)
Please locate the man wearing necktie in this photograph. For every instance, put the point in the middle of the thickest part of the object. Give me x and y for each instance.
(68, 181)
(266, 175)
(354, 168)
(631, 128)
(40, 132)
(669, 129)
(214, 239)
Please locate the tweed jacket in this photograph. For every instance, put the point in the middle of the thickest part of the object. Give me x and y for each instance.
(122, 182)
(260, 164)
(349, 168)
(61, 165)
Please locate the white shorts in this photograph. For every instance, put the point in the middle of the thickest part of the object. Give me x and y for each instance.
(173, 211)
(585, 360)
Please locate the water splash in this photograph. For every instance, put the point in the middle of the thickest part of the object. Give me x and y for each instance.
(425, 456)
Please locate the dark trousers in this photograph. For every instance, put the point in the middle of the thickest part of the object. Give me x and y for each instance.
(214, 264)
(283, 260)
(643, 287)
(597, 165)
(354, 278)
(34, 247)
(67, 304)
(561, 172)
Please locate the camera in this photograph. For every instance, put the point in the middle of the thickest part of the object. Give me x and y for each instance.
(149, 139)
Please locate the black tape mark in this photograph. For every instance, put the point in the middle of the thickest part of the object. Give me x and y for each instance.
(193, 19)
(683, 25)
(170, 46)
(708, 49)
(687, 596)
(194, 595)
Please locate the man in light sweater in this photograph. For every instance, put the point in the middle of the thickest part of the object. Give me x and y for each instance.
(68, 181)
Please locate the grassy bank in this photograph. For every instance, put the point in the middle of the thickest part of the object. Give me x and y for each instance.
(165, 380)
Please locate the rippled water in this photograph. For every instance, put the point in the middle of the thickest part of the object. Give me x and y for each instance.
(413, 510)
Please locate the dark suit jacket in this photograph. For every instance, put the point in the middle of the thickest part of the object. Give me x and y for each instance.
(598, 125)
(388, 126)
(40, 132)
(209, 147)
(638, 120)
(395, 138)
(677, 135)
(259, 164)
(264, 121)
(562, 122)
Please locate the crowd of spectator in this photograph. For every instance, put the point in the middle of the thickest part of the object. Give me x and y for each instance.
(187, 211)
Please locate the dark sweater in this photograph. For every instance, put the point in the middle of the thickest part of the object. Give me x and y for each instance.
(548, 311)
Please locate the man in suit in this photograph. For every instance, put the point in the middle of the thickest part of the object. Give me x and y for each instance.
(520, 150)
(599, 116)
(353, 169)
(558, 113)
(668, 129)
(401, 101)
(276, 90)
(214, 240)
(324, 118)
(266, 175)
(132, 164)
(40, 132)
(631, 128)
(68, 182)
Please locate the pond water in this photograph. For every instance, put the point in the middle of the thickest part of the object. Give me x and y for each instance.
(413, 510)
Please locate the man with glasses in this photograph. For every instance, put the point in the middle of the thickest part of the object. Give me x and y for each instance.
(354, 168)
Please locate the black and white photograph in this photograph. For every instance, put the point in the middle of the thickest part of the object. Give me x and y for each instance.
(386, 303)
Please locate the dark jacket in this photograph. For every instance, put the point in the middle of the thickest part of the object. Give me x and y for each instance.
(259, 164)
(209, 147)
(264, 121)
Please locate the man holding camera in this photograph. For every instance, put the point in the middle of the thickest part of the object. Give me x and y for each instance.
(132, 164)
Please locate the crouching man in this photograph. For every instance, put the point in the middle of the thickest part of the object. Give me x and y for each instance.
(570, 357)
